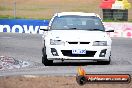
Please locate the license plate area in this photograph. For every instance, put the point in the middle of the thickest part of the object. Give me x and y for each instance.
(78, 51)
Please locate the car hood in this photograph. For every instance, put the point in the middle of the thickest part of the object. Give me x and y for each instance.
(78, 35)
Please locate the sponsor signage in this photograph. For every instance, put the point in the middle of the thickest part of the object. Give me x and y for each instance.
(122, 29)
(22, 25)
(83, 78)
(115, 4)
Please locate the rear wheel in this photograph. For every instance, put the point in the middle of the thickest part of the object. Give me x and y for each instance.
(45, 61)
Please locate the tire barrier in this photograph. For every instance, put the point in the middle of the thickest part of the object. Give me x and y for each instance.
(11, 63)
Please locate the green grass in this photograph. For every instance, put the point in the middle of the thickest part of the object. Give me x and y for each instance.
(12, 17)
(4, 8)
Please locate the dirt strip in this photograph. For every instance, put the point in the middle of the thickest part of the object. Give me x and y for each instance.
(51, 82)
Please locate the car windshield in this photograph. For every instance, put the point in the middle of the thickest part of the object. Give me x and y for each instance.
(91, 23)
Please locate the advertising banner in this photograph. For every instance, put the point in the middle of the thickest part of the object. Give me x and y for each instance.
(22, 25)
(122, 29)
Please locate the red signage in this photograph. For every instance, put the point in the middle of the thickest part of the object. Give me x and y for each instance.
(107, 4)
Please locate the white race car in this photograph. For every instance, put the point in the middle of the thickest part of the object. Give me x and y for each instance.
(76, 36)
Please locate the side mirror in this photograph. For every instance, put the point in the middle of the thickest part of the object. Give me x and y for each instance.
(44, 28)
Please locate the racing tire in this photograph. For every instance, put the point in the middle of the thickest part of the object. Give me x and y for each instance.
(45, 61)
(105, 62)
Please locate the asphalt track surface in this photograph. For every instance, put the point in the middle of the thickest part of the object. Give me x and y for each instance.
(28, 47)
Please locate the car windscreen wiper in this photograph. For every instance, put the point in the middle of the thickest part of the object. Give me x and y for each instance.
(72, 28)
(95, 30)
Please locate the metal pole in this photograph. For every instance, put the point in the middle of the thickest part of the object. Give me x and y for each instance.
(14, 9)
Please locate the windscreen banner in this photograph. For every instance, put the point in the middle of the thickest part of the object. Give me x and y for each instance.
(122, 29)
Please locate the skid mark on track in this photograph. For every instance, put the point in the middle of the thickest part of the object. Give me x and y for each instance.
(7, 63)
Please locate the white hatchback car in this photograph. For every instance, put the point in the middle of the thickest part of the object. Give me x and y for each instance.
(76, 36)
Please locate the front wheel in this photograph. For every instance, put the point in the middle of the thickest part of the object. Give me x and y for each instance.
(45, 61)
(105, 62)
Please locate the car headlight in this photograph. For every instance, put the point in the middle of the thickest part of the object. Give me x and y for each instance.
(100, 43)
(56, 42)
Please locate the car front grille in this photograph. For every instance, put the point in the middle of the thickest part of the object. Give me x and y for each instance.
(78, 42)
(69, 53)
(84, 42)
(73, 42)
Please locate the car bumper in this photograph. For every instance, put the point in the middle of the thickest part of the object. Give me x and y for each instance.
(58, 52)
